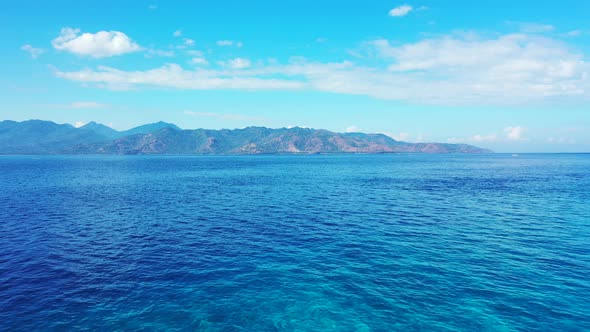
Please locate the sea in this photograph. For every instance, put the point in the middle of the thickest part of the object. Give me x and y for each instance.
(392, 242)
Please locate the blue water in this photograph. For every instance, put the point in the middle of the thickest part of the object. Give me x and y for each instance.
(295, 243)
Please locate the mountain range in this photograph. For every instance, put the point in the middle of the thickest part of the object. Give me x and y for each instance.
(46, 137)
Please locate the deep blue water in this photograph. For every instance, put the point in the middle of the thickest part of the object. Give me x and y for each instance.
(295, 243)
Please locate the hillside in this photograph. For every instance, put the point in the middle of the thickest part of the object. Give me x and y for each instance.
(45, 137)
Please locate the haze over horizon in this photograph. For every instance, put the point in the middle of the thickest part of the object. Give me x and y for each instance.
(503, 76)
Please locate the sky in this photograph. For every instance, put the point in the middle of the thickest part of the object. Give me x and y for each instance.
(512, 76)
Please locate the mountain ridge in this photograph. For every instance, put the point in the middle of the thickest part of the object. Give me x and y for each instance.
(47, 137)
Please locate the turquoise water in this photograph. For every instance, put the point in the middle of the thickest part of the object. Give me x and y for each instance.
(295, 243)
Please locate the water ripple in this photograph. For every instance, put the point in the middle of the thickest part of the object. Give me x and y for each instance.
(295, 243)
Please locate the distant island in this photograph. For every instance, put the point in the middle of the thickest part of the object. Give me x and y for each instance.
(46, 137)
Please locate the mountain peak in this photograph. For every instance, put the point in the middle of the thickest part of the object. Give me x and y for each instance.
(100, 129)
(92, 124)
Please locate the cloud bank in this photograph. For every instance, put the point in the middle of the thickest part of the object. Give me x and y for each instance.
(466, 69)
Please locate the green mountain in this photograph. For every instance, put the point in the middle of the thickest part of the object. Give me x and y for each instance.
(42, 137)
(45, 137)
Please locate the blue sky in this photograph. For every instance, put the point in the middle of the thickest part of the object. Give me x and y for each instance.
(511, 76)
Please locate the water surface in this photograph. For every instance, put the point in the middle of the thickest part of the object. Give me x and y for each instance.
(295, 243)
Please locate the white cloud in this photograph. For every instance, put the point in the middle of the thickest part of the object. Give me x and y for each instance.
(221, 116)
(188, 41)
(573, 33)
(225, 43)
(199, 61)
(229, 43)
(159, 53)
(98, 45)
(536, 28)
(515, 133)
(400, 11)
(467, 69)
(77, 105)
(34, 52)
(195, 53)
(352, 129)
(177, 33)
(198, 58)
(484, 138)
(561, 140)
(79, 124)
(237, 63)
(174, 76)
(511, 68)
(85, 104)
(516, 51)
(511, 134)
